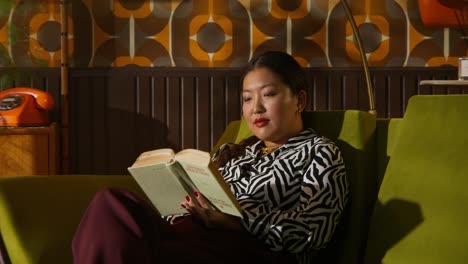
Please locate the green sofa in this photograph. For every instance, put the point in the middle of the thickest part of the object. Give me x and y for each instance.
(406, 175)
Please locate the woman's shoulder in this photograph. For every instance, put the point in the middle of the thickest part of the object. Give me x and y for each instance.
(309, 138)
(309, 135)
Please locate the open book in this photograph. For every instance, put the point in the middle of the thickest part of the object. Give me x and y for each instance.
(167, 177)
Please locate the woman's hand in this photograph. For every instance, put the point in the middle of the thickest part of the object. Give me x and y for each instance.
(204, 212)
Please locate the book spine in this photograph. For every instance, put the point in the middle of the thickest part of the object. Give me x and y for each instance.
(179, 172)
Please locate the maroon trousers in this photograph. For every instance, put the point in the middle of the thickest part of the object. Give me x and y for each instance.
(120, 228)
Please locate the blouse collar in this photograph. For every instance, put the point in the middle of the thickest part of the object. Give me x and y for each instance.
(305, 134)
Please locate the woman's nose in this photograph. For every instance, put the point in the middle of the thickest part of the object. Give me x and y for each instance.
(258, 107)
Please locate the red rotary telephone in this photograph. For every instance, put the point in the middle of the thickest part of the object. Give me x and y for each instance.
(25, 107)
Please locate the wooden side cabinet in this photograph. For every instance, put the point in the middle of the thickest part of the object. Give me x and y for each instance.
(29, 150)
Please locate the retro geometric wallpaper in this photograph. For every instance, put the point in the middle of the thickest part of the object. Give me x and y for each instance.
(221, 33)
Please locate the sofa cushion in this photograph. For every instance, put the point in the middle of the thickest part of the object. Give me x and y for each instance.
(39, 214)
(421, 215)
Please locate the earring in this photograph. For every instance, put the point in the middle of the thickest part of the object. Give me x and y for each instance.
(299, 109)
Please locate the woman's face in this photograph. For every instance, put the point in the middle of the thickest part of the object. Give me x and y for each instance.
(270, 108)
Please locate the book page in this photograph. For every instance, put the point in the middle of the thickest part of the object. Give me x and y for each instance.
(197, 164)
(161, 186)
(194, 155)
(179, 172)
(157, 156)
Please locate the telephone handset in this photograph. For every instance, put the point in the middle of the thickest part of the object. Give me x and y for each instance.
(23, 106)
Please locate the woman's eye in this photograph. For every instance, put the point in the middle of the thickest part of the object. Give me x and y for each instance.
(246, 99)
(270, 94)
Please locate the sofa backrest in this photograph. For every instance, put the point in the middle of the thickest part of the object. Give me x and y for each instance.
(386, 135)
(353, 131)
(420, 213)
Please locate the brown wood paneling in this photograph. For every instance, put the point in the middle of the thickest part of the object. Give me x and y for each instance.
(218, 107)
(410, 87)
(173, 110)
(395, 94)
(26, 151)
(394, 86)
(142, 109)
(83, 123)
(203, 112)
(322, 91)
(117, 113)
(233, 98)
(189, 124)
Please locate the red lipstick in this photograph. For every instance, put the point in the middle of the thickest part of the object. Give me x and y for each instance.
(261, 122)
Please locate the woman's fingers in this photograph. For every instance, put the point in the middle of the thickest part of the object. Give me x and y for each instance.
(199, 207)
(202, 201)
(199, 201)
(193, 205)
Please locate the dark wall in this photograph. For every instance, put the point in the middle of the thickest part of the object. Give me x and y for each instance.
(116, 113)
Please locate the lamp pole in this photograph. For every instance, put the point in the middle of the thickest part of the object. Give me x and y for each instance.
(64, 86)
(365, 64)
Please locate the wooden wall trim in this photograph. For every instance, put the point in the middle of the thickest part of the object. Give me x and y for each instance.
(116, 113)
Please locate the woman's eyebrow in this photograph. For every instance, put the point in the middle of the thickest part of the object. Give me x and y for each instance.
(261, 87)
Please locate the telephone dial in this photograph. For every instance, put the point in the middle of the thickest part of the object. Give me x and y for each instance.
(25, 107)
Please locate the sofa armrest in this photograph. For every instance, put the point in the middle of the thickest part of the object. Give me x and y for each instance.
(420, 215)
(39, 214)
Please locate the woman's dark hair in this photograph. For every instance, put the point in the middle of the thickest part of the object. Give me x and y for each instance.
(290, 73)
(284, 66)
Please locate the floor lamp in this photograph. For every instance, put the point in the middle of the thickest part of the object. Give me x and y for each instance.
(64, 87)
(365, 64)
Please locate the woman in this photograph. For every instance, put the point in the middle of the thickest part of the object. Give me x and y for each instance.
(291, 185)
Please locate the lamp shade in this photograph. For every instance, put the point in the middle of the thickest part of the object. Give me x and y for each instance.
(444, 13)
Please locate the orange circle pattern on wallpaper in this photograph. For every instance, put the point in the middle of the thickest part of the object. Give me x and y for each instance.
(45, 36)
(284, 9)
(224, 33)
(138, 61)
(196, 24)
(142, 9)
(378, 54)
(4, 36)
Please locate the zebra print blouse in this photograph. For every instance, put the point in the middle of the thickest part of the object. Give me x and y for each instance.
(292, 198)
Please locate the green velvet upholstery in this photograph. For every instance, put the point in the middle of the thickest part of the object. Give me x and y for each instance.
(421, 215)
(353, 131)
(39, 214)
(386, 135)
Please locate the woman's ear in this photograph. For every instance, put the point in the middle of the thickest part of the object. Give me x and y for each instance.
(301, 100)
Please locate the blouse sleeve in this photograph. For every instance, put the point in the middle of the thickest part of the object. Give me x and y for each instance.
(313, 220)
